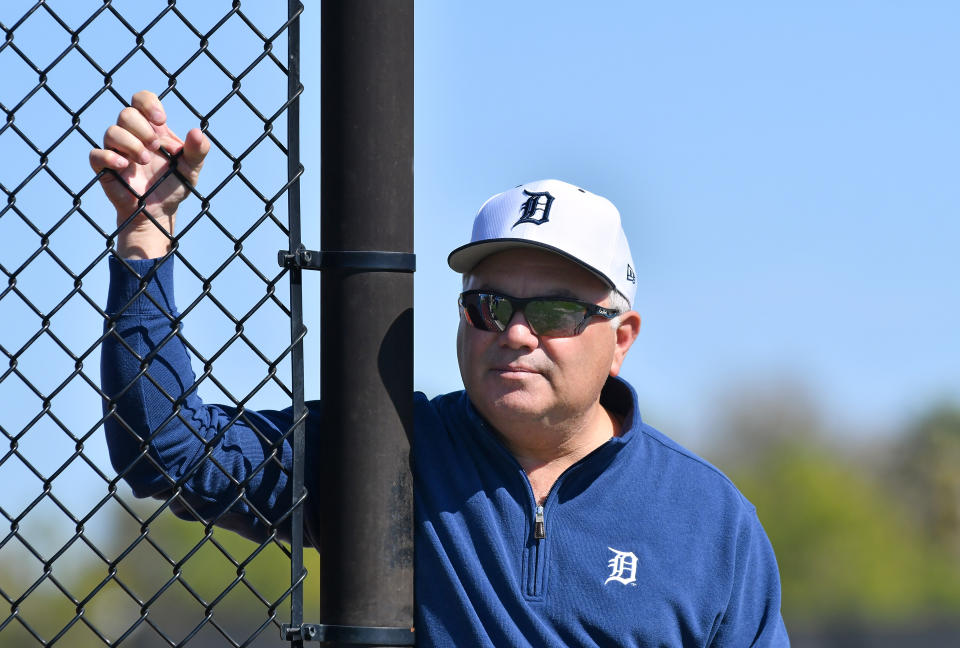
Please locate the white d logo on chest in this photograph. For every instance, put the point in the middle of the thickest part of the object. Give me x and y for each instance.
(623, 567)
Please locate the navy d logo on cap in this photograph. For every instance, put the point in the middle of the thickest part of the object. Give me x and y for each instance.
(580, 226)
(538, 201)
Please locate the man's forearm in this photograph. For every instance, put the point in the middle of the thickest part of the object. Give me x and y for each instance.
(162, 437)
(142, 406)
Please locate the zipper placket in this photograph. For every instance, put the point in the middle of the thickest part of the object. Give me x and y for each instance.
(540, 523)
(539, 537)
(539, 526)
(539, 511)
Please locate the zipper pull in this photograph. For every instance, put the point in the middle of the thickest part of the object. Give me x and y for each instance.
(539, 528)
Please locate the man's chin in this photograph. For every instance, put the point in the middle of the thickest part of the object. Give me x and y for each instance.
(515, 403)
(514, 384)
(500, 395)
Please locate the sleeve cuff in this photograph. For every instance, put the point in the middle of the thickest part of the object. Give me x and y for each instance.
(127, 279)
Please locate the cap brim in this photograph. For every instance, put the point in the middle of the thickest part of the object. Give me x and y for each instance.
(465, 257)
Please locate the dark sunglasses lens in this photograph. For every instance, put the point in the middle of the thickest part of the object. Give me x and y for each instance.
(555, 317)
(481, 311)
(500, 309)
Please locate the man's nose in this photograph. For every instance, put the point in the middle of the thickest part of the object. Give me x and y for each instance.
(518, 333)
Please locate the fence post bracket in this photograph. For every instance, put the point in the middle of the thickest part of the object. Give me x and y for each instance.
(347, 260)
(354, 635)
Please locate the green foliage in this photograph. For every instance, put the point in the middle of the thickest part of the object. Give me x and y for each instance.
(864, 534)
(927, 466)
(848, 551)
(187, 580)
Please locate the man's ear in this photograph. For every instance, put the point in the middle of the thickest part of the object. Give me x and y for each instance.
(626, 333)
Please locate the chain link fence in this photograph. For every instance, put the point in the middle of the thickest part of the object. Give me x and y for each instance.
(82, 563)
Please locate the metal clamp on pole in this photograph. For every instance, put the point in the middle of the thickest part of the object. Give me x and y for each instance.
(355, 635)
(348, 260)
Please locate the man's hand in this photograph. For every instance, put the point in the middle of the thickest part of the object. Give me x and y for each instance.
(131, 148)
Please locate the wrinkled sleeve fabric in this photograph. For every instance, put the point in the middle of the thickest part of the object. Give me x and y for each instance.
(753, 616)
(219, 464)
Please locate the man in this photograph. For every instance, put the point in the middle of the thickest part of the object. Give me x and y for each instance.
(548, 513)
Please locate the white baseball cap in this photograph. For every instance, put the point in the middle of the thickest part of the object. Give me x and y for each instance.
(558, 217)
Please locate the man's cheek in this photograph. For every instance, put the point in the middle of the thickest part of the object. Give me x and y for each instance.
(461, 332)
(465, 352)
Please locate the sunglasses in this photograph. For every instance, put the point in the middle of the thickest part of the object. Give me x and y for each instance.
(548, 316)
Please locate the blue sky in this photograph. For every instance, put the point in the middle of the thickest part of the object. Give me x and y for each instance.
(786, 175)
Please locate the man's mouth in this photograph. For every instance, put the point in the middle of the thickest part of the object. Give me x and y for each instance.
(510, 370)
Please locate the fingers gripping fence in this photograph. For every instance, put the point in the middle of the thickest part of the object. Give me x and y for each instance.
(82, 561)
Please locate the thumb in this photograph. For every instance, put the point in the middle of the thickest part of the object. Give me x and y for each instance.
(195, 149)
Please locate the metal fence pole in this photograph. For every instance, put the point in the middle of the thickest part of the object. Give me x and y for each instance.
(367, 317)
(297, 331)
